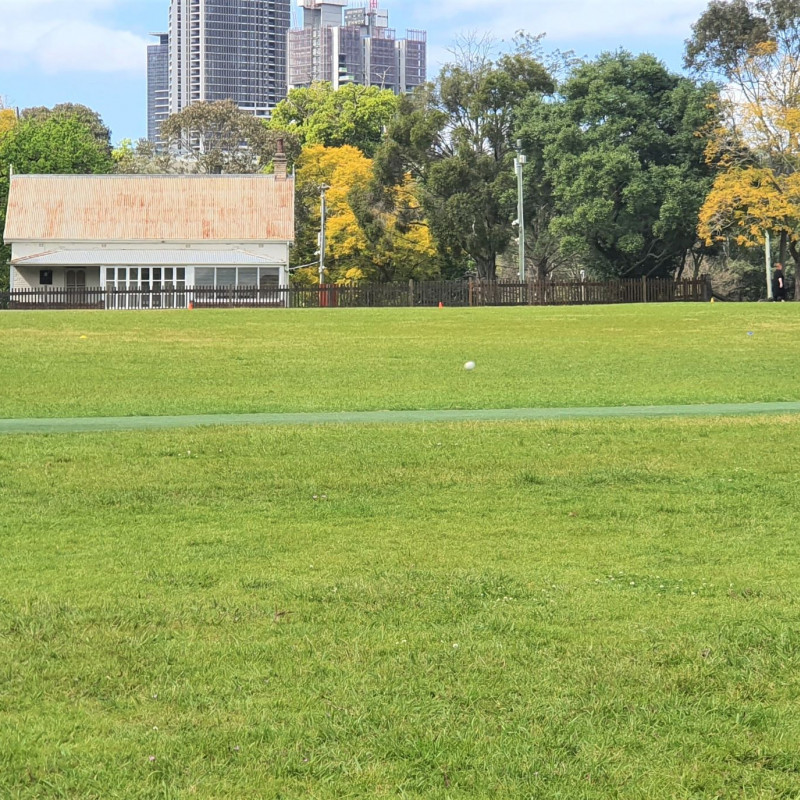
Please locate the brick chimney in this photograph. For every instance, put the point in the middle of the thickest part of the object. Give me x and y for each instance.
(280, 162)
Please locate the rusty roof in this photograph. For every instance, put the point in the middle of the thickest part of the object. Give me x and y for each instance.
(147, 208)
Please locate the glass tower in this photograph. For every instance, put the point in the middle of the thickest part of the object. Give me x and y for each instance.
(228, 50)
(157, 86)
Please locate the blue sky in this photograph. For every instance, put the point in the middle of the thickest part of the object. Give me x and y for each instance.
(93, 51)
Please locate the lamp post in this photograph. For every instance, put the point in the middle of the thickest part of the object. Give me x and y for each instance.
(323, 213)
(519, 163)
(768, 263)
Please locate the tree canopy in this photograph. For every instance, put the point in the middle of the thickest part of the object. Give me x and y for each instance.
(351, 115)
(57, 143)
(217, 137)
(8, 119)
(755, 47)
(88, 117)
(457, 140)
(621, 154)
(354, 253)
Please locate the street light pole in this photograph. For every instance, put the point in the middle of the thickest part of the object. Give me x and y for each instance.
(768, 263)
(323, 214)
(519, 163)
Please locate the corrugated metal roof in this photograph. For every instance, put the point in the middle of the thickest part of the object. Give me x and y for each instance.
(102, 257)
(126, 208)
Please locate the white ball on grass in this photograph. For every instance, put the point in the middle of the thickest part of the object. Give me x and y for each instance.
(470, 365)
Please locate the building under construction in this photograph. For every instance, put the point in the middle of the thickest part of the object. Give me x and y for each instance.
(341, 45)
(228, 50)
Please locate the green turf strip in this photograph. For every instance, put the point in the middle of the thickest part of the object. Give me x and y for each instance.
(100, 424)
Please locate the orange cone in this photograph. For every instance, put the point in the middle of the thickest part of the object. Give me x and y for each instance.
(441, 304)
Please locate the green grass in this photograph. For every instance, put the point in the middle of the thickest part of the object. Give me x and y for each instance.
(576, 610)
(527, 610)
(256, 361)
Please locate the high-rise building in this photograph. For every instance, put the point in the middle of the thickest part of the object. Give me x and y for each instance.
(157, 86)
(356, 46)
(228, 50)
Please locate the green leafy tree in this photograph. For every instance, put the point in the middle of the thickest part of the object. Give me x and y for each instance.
(217, 137)
(351, 115)
(729, 31)
(622, 161)
(457, 140)
(48, 144)
(144, 158)
(91, 119)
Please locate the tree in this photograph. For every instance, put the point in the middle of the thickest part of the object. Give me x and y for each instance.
(726, 32)
(218, 137)
(8, 119)
(351, 115)
(457, 140)
(144, 158)
(746, 202)
(91, 119)
(352, 254)
(753, 49)
(618, 166)
(48, 144)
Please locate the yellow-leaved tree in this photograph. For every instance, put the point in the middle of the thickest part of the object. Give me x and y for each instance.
(8, 119)
(351, 255)
(756, 147)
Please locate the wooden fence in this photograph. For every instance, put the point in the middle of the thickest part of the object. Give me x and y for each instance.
(376, 295)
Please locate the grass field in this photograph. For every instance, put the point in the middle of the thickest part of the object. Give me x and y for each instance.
(242, 361)
(525, 610)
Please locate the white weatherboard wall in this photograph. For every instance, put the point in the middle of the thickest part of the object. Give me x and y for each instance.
(27, 277)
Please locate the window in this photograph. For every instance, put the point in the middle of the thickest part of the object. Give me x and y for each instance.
(46, 277)
(270, 278)
(229, 277)
(204, 276)
(248, 276)
(226, 276)
(145, 287)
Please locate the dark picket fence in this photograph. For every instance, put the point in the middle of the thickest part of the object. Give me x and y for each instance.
(376, 295)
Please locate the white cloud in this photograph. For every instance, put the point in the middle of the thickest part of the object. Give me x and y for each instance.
(575, 21)
(60, 36)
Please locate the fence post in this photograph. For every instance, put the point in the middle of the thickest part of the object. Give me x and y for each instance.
(411, 292)
(644, 288)
(470, 293)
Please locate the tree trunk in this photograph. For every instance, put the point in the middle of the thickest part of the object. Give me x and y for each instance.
(796, 256)
(784, 244)
(682, 267)
(487, 267)
(697, 262)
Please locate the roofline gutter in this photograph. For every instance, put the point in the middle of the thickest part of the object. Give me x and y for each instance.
(122, 244)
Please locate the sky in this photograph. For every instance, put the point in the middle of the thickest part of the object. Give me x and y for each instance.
(94, 51)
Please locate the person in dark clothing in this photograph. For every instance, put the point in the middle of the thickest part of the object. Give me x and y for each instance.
(779, 284)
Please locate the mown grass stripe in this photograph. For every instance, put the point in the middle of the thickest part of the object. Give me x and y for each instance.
(106, 424)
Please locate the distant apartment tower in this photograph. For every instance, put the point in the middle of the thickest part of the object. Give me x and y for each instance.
(228, 50)
(157, 86)
(341, 45)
